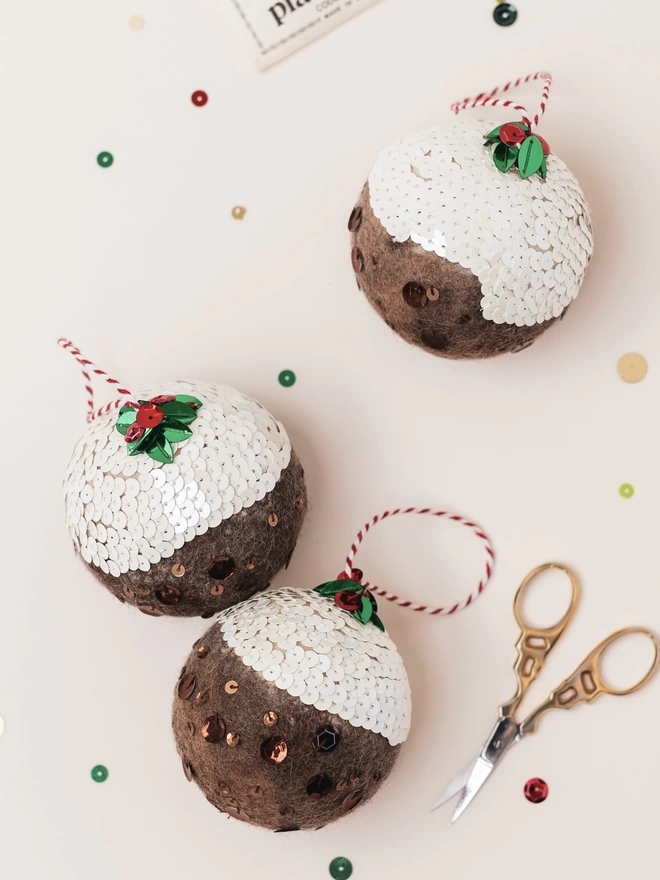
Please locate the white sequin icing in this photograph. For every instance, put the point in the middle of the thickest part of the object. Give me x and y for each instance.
(309, 647)
(528, 241)
(129, 512)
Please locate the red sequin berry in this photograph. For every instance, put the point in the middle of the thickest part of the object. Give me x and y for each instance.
(356, 575)
(133, 433)
(512, 134)
(536, 790)
(149, 416)
(348, 601)
(162, 398)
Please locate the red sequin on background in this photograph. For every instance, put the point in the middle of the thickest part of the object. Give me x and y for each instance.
(536, 790)
(199, 98)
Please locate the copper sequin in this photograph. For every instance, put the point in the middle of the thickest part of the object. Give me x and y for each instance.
(128, 593)
(273, 520)
(213, 729)
(222, 568)
(231, 687)
(355, 220)
(251, 563)
(187, 769)
(202, 697)
(355, 778)
(352, 800)
(319, 786)
(168, 595)
(300, 502)
(357, 260)
(414, 294)
(433, 293)
(325, 738)
(150, 610)
(232, 802)
(274, 749)
(224, 788)
(217, 590)
(232, 739)
(143, 591)
(270, 719)
(341, 785)
(178, 570)
(186, 686)
(202, 651)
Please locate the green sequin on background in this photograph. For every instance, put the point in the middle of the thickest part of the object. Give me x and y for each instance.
(99, 773)
(626, 490)
(105, 160)
(287, 378)
(340, 868)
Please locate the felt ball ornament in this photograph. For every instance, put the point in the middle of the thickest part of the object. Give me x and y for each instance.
(292, 708)
(289, 711)
(184, 499)
(471, 242)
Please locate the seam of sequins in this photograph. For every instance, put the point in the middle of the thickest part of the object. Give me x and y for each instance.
(528, 241)
(129, 512)
(307, 646)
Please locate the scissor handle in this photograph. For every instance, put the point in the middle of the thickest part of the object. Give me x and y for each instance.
(587, 683)
(534, 644)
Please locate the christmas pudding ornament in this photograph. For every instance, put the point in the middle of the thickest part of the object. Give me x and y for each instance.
(185, 499)
(291, 709)
(470, 240)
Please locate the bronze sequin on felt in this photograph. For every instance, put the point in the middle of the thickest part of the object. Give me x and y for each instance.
(319, 786)
(273, 520)
(231, 687)
(217, 590)
(352, 800)
(270, 719)
(187, 769)
(186, 686)
(232, 739)
(222, 568)
(202, 697)
(274, 749)
(168, 595)
(202, 651)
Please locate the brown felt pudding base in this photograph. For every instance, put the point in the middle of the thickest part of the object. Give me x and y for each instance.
(424, 298)
(217, 697)
(227, 564)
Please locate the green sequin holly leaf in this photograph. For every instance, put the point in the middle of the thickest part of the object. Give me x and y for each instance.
(152, 426)
(515, 147)
(354, 599)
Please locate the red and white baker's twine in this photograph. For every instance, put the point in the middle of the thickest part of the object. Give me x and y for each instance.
(405, 603)
(85, 363)
(488, 99)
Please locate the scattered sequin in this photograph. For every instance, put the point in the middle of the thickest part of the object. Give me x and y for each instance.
(414, 294)
(433, 294)
(251, 563)
(202, 697)
(632, 367)
(355, 220)
(319, 786)
(307, 646)
(130, 512)
(536, 790)
(199, 98)
(186, 686)
(217, 590)
(274, 749)
(99, 773)
(270, 719)
(626, 490)
(222, 568)
(213, 729)
(168, 595)
(232, 739)
(357, 259)
(326, 738)
(352, 800)
(136, 22)
(287, 378)
(340, 868)
(187, 769)
(238, 212)
(273, 520)
(231, 687)
(178, 570)
(527, 241)
(105, 160)
(505, 14)
(202, 651)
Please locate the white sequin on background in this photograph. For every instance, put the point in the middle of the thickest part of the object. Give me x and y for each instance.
(308, 646)
(129, 512)
(528, 241)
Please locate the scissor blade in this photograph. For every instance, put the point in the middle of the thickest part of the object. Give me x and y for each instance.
(457, 784)
(480, 773)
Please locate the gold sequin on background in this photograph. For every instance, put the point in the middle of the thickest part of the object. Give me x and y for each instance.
(136, 22)
(231, 687)
(178, 570)
(232, 739)
(238, 212)
(632, 367)
(270, 719)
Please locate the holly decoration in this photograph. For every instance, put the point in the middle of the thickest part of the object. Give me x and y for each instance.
(152, 426)
(516, 147)
(353, 598)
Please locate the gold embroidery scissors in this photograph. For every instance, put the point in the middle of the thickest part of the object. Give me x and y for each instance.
(533, 646)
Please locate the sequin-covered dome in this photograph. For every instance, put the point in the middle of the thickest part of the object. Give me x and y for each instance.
(142, 523)
(528, 241)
